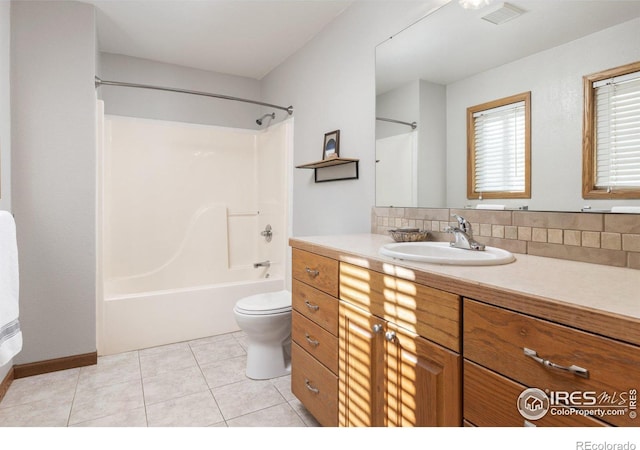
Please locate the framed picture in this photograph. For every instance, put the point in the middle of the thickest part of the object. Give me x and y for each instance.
(331, 146)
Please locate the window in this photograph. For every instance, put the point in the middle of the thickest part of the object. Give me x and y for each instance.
(499, 148)
(611, 134)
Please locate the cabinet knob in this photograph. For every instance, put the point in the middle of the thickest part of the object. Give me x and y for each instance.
(312, 273)
(390, 336)
(377, 328)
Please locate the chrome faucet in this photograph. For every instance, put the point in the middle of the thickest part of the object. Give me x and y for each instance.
(463, 235)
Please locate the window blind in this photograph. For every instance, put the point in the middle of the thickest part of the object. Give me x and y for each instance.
(499, 135)
(617, 125)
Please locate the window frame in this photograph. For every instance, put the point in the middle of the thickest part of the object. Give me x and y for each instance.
(471, 148)
(589, 157)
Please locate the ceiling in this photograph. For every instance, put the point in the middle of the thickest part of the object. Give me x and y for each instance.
(240, 37)
(453, 43)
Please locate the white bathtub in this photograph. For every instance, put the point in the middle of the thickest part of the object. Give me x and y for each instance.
(183, 208)
(148, 319)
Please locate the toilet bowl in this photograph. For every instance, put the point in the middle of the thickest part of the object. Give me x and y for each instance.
(266, 320)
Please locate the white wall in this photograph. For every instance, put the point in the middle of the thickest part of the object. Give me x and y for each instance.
(401, 103)
(432, 150)
(5, 125)
(5, 108)
(154, 104)
(54, 175)
(554, 78)
(331, 84)
(422, 102)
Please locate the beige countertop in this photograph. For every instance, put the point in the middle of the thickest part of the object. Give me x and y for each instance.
(592, 297)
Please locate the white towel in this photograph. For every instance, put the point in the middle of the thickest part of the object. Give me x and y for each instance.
(626, 209)
(487, 206)
(10, 334)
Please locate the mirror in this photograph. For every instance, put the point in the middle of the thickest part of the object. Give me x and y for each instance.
(454, 58)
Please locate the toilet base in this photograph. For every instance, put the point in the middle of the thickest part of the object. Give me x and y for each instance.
(265, 362)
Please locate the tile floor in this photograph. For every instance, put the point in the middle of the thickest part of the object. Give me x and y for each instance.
(199, 383)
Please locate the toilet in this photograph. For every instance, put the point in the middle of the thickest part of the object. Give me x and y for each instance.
(266, 320)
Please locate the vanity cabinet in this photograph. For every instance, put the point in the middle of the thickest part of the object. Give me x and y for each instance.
(380, 343)
(506, 352)
(314, 330)
(390, 374)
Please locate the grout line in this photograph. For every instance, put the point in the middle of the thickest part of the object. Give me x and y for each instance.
(73, 400)
(144, 400)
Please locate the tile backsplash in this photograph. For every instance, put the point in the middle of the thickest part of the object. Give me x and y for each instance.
(600, 238)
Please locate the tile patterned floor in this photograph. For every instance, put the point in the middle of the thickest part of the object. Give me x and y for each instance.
(199, 383)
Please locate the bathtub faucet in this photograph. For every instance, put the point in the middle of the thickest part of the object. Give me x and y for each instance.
(266, 263)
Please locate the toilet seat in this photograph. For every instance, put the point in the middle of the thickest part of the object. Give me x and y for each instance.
(265, 304)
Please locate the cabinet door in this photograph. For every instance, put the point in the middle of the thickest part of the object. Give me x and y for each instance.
(423, 381)
(361, 374)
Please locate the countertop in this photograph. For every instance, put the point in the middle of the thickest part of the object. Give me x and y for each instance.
(591, 297)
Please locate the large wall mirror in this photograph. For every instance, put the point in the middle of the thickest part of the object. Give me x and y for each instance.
(454, 58)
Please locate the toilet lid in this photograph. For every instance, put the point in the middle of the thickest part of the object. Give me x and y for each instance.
(266, 303)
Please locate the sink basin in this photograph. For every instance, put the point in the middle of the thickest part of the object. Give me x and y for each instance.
(443, 253)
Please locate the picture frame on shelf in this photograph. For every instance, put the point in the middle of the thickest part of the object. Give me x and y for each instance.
(331, 145)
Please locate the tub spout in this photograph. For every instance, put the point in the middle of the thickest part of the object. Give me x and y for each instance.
(262, 264)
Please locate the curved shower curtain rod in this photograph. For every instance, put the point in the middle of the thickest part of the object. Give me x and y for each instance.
(413, 125)
(100, 82)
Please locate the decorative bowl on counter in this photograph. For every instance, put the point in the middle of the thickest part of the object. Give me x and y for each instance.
(409, 235)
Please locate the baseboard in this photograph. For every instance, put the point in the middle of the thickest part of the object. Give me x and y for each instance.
(4, 386)
(53, 365)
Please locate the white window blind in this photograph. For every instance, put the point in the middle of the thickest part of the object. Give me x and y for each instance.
(500, 149)
(617, 124)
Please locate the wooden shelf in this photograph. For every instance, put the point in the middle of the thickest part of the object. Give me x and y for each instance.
(327, 163)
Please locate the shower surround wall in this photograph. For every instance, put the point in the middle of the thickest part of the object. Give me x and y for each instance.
(184, 206)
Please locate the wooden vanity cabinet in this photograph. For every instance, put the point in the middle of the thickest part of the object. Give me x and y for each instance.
(388, 374)
(373, 348)
(499, 350)
(314, 330)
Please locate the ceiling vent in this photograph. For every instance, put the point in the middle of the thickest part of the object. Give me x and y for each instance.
(505, 13)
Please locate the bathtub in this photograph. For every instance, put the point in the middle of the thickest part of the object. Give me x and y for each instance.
(181, 226)
(148, 319)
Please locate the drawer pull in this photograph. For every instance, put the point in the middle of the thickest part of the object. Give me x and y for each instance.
(311, 306)
(576, 370)
(312, 342)
(307, 383)
(377, 328)
(311, 272)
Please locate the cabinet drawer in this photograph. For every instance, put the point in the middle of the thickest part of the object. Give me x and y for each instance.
(315, 386)
(315, 305)
(496, 338)
(317, 341)
(315, 270)
(428, 312)
(490, 400)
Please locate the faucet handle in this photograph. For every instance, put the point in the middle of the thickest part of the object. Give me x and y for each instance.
(463, 223)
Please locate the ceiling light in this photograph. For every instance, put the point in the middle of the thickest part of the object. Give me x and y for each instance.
(474, 4)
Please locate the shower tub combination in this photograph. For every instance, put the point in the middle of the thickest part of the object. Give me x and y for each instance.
(185, 209)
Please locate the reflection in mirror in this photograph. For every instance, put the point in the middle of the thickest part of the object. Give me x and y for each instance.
(454, 58)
